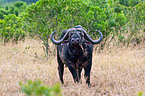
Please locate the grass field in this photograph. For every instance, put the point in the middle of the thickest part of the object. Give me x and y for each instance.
(115, 72)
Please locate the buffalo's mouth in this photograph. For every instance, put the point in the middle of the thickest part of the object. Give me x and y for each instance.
(75, 46)
(75, 41)
(78, 46)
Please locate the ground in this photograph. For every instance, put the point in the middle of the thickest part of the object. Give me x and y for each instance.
(116, 71)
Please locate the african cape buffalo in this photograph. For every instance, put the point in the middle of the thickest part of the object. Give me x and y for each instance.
(74, 49)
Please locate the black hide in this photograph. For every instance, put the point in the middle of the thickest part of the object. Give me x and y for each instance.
(76, 53)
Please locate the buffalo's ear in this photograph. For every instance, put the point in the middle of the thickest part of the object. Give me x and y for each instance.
(65, 41)
(88, 42)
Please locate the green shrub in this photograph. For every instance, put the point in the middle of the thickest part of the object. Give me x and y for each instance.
(113, 18)
(11, 28)
(140, 94)
(46, 16)
(139, 13)
(36, 88)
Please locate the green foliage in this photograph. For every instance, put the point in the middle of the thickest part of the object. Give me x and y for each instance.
(18, 4)
(91, 15)
(140, 94)
(111, 17)
(36, 88)
(15, 8)
(139, 13)
(11, 28)
(134, 14)
(46, 16)
(124, 2)
(2, 13)
(136, 22)
(130, 2)
(41, 20)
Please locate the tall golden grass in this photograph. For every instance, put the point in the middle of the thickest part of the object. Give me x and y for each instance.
(117, 71)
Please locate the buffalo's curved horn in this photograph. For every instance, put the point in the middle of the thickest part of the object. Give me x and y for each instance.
(87, 36)
(58, 42)
(55, 41)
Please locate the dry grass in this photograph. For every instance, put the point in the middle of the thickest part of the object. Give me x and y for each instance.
(115, 71)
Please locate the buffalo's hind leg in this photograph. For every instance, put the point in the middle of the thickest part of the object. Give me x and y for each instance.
(60, 69)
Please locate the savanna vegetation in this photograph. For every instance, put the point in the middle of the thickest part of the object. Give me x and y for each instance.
(28, 54)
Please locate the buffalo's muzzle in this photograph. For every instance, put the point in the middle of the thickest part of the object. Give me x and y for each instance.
(75, 40)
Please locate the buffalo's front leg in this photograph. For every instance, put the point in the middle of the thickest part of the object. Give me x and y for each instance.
(80, 70)
(60, 69)
(74, 73)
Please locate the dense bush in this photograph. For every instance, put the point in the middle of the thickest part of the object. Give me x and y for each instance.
(60, 15)
(11, 28)
(113, 18)
(14, 8)
(11, 23)
(139, 13)
(46, 16)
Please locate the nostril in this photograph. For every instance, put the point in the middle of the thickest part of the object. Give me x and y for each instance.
(75, 40)
(78, 40)
(72, 40)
